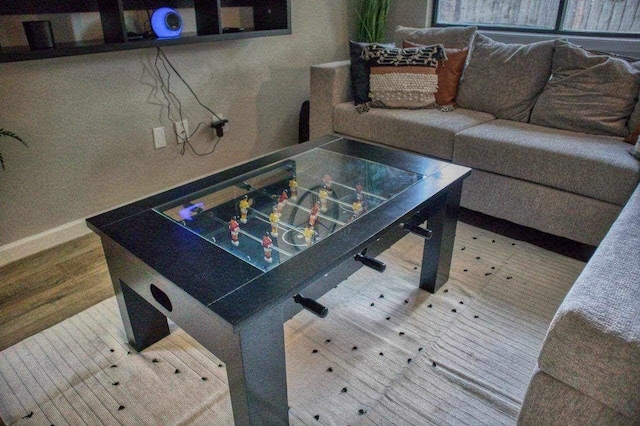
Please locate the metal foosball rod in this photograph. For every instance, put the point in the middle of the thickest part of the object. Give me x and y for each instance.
(311, 305)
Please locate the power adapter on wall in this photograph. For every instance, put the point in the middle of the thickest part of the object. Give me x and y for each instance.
(220, 124)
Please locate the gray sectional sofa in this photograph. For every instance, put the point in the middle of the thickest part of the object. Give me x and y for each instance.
(548, 152)
(561, 181)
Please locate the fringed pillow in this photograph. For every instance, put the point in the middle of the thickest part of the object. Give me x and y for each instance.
(403, 78)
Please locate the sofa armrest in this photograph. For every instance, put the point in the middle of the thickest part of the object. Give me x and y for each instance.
(593, 342)
(330, 85)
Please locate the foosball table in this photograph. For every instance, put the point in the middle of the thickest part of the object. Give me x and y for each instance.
(232, 256)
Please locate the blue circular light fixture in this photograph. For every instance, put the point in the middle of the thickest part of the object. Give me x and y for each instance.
(166, 23)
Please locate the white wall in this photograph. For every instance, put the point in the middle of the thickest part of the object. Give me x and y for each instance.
(88, 119)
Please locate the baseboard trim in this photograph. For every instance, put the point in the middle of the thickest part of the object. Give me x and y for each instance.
(47, 239)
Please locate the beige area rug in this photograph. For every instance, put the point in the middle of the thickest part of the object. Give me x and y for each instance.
(387, 354)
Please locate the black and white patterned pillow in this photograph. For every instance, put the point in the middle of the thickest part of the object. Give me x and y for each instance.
(403, 78)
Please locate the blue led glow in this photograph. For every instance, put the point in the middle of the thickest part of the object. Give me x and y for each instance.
(159, 23)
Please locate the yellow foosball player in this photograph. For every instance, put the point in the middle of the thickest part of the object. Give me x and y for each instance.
(244, 205)
(274, 217)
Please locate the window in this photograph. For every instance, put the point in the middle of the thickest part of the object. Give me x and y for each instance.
(588, 17)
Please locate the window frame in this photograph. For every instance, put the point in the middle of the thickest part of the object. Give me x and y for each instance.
(562, 8)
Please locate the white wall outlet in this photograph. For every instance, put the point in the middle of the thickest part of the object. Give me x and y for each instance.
(158, 137)
(182, 131)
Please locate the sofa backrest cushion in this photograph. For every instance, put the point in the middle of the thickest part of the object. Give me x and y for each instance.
(453, 37)
(449, 73)
(588, 92)
(505, 79)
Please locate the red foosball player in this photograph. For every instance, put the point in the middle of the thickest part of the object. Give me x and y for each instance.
(313, 214)
(267, 244)
(359, 193)
(274, 217)
(244, 205)
(324, 194)
(281, 201)
(326, 181)
(234, 228)
(293, 188)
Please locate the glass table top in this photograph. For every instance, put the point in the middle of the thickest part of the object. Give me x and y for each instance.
(270, 215)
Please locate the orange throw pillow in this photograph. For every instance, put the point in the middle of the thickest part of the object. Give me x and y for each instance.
(632, 138)
(448, 73)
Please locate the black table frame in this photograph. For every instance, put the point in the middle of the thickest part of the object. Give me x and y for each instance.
(160, 270)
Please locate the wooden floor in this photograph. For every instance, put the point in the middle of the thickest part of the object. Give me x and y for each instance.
(48, 287)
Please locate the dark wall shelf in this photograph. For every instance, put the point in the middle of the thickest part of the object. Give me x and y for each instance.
(271, 17)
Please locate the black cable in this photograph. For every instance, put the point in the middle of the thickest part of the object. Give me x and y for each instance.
(187, 84)
(167, 93)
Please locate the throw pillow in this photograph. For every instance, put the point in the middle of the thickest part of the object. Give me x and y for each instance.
(403, 78)
(449, 73)
(633, 137)
(589, 93)
(505, 79)
(452, 37)
(360, 72)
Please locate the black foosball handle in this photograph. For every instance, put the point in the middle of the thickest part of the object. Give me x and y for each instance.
(370, 262)
(311, 305)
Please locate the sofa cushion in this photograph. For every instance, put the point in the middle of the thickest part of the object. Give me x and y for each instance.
(594, 166)
(593, 342)
(453, 37)
(449, 73)
(426, 131)
(403, 78)
(505, 79)
(550, 401)
(590, 93)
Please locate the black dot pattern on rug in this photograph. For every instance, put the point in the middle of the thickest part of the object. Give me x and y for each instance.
(355, 348)
(220, 365)
(446, 290)
(328, 341)
(465, 270)
(317, 417)
(344, 390)
(372, 304)
(453, 310)
(112, 350)
(461, 302)
(315, 351)
(409, 361)
(113, 366)
(434, 364)
(415, 268)
(28, 416)
(420, 349)
(477, 257)
(429, 305)
(509, 278)
(155, 360)
(329, 370)
(401, 333)
(487, 274)
(388, 318)
(361, 411)
(120, 408)
(381, 354)
(204, 379)
(381, 296)
(177, 371)
(406, 300)
(115, 383)
(462, 249)
(476, 316)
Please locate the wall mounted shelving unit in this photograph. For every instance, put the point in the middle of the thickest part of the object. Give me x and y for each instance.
(270, 17)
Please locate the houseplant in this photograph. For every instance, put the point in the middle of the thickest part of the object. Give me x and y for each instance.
(9, 134)
(372, 20)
